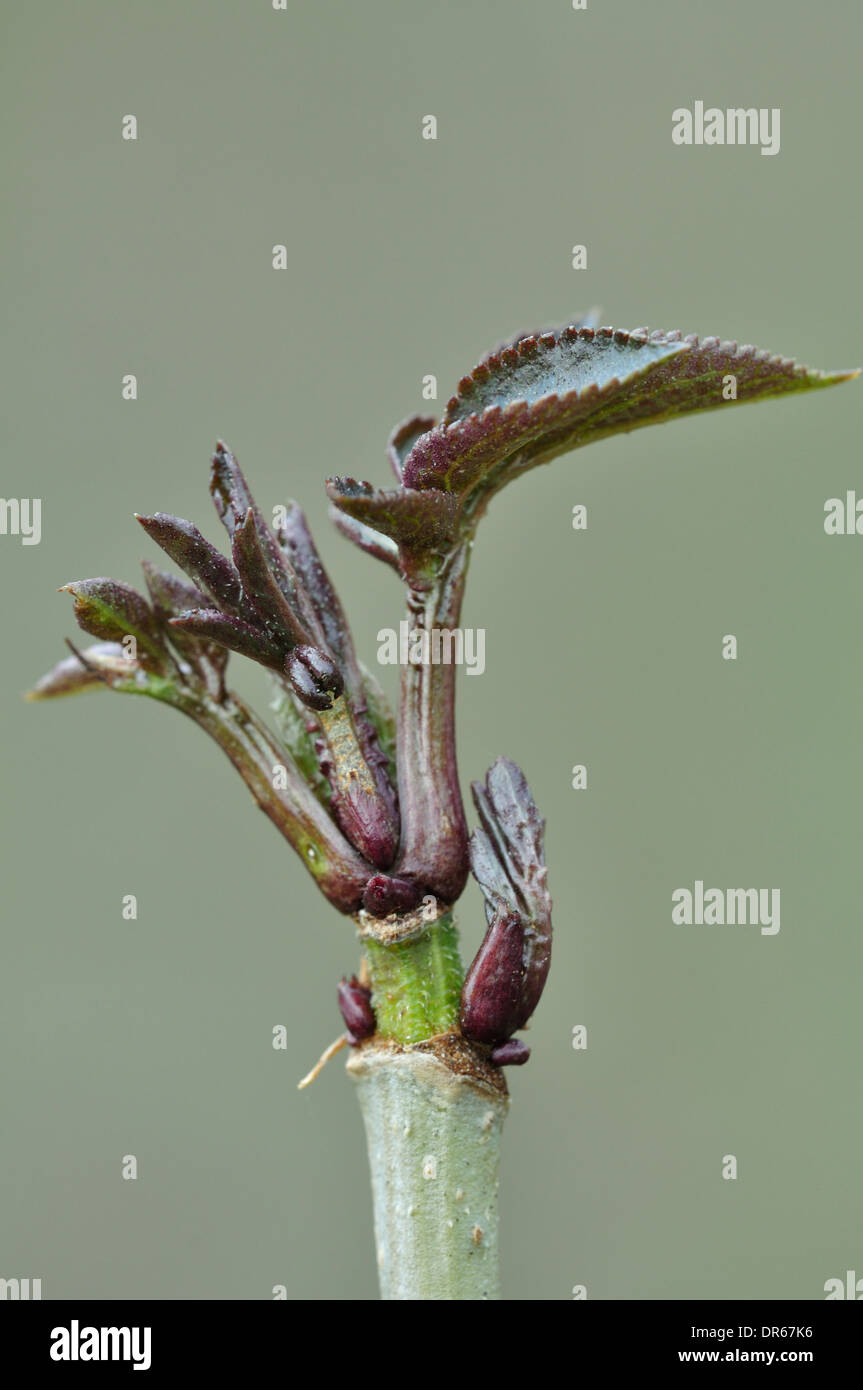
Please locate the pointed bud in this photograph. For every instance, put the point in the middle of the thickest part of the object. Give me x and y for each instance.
(355, 1003)
(314, 676)
(491, 1007)
(384, 895)
(503, 985)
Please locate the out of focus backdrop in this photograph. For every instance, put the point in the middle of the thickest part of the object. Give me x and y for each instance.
(407, 258)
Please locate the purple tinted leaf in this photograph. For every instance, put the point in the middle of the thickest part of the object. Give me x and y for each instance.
(78, 673)
(229, 489)
(421, 523)
(201, 561)
(403, 438)
(556, 391)
(592, 319)
(168, 594)
(261, 588)
(515, 830)
(112, 611)
(233, 501)
(372, 542)
(171, 596)
(296, 541)
(208, 625)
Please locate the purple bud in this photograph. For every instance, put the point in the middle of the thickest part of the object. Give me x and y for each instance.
(384, 895)
(355, 1003)
(512, 1053)
(508, 863)
(314, 676)
(491, 997)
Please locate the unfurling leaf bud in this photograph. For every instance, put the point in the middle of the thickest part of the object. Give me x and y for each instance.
(355, 1003)
(314, 676)
(504, 983)
(513, 1053)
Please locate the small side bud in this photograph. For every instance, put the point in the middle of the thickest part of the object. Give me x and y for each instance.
(384, 895)
(512, 1053)
(491, 997)
(355, 1003)
(314, 676)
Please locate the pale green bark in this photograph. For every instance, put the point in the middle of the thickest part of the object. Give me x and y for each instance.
(434, 1146)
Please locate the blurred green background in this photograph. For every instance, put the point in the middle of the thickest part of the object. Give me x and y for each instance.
(409, 257)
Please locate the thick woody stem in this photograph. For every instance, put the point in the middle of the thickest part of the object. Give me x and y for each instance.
(433, 1108)
(433, 1137)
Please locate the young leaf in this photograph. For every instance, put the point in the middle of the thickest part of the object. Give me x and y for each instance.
(403, 438)
(538, 396)
(171, 596)
(557, 391)
(262, 590)
(201, 561)
(423, 524)
(208, 625)
(332, 631)
(78, 673)
(114, 611)
(372, 542)
(233, 501)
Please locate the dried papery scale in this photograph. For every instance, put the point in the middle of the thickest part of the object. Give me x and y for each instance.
(428, 1043)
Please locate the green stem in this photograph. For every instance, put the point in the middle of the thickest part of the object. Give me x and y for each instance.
(416, 975)
(433, 1108)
